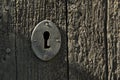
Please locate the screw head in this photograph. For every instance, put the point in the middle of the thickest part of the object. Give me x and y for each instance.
(35, 40)
(46, 23)
(8, 50)
(57, 40)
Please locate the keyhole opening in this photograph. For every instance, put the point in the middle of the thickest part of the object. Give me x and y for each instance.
(46, 37)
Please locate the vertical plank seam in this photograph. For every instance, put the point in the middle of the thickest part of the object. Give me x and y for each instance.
(15, 38)
(67, 38)
(105, 38)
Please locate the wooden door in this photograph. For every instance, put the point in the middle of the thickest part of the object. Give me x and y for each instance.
(90, 31)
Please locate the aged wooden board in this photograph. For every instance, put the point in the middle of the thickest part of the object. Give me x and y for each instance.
(113, 27)
(93, 45)
(23, 63)
(7, 48)
(86, 39)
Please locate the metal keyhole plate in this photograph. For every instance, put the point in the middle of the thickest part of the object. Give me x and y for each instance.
(53, 44)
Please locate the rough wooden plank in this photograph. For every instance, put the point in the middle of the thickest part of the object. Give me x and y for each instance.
(86, 24)
(113, 27)
(7, 53)
(27, 13)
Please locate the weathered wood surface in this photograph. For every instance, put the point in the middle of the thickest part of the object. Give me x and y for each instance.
(113, 27)
(23, 64)
(93, 39)
(7, 48)
(86, 39)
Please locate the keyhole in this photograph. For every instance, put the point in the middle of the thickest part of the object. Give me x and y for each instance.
(46, 37)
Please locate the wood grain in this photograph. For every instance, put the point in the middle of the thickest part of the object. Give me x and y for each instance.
(27, 14)
(86, 39)
(7, 38)
(113, 27)
(93, 39)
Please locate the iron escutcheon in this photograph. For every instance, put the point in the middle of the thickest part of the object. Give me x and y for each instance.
(46, 40)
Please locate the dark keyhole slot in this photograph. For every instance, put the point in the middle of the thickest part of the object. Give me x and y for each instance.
(46, 37)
